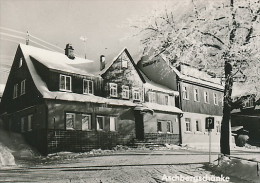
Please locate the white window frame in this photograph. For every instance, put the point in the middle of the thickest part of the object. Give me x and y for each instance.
(166, 100)
(113, 89)
(206, 97)
(188, 125)
(249, 103)
(152, 97)
(29, 123)
(218, 126)
(65, 81)
(185, 94)
(15, 91)
(124, 60)
(125, 92)
(23, 87)
(88, 83)
(112, 123)
(103, 122)
(74, 120)
(215, 98)
(170, 125)
(89, 122)
(196, 95)
(136, 94)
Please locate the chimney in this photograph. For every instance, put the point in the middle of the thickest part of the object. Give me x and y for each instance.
(69, 51)
(102, 62)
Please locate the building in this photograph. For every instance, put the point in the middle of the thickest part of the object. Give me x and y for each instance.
(59, 105)
(248, 117)
(200, 96)
(157, 120)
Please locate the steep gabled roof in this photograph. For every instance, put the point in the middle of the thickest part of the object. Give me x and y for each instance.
(55, 60)
(116, 57)
(43, 89)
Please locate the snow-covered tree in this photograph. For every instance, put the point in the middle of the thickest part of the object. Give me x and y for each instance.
(220, 37)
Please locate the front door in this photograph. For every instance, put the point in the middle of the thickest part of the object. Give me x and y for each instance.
(139, 125)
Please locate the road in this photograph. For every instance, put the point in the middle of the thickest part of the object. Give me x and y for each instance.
(126, 166)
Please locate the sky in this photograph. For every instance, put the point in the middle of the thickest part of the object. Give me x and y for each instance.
(103, 22)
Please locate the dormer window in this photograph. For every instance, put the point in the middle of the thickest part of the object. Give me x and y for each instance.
(23, 87)
(249, 103)
(65, 83)
(136, 94)
(87, 86)
(113, 89)
(125, 92)
(20, 62)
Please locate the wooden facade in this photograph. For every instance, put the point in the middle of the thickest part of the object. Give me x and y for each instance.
(52, 119)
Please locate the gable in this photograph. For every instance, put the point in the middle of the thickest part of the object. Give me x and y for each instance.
(18, 73)
(123, 68)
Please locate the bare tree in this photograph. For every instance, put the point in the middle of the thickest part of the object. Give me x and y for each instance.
(215, 36)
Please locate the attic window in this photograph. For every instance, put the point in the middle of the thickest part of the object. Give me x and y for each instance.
(20, 62)
(125, 92)
(124, 60)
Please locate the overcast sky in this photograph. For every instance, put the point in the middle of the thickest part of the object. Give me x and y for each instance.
(65, 21)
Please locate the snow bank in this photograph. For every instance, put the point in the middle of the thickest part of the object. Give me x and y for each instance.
(242, 169)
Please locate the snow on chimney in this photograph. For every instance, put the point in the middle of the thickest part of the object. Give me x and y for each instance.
(102, 62)
(69, 51)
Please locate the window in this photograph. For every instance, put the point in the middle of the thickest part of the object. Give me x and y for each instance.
(166, 98)
(86, 122)
(136, 94)
(168, 126)
(125, 92)
(196, 95)
(23, 87)
(185, 93)
(218, 126)
(65, 83)
(20, 62)
(87, 86)
(124, 60)
(249, 103)
(113, 89)
(29, 126)
(152, 97)
(198, 126)
(215, 98)
(22, 124)
(100, 122)
(112, 124)
(206, 97)
(159, 126)
(70, 121)
(15, 92)
(188, 126)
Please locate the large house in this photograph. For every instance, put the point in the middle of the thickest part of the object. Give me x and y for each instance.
(59, 105)
(200, 96)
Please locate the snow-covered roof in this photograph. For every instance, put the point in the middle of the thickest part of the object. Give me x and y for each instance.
(166, 108)
(149, 84)
(194, 75)
(55, 60)
(2, 88)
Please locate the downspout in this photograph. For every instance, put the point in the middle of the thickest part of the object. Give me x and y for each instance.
(180, 106)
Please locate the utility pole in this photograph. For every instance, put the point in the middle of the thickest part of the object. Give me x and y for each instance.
(27, 40)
